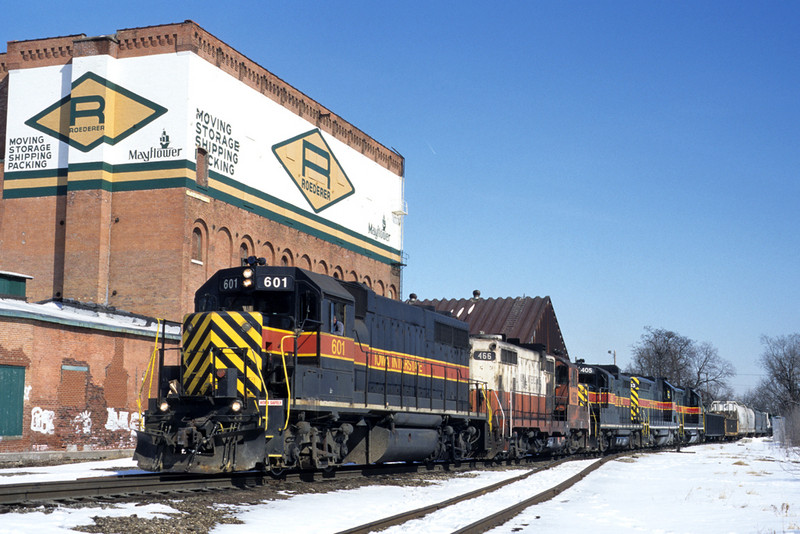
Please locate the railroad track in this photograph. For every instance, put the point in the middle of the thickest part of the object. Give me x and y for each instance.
(118, 486)
(495, 519)
(123, 486)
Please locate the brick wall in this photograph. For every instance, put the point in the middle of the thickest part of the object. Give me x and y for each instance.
(81, 385)
(132, 250)
(32, 242)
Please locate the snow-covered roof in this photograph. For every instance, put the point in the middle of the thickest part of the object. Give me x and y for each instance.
(15, 275)
(87, 316)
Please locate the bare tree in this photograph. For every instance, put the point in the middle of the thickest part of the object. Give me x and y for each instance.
(762, 398)
(663, 353)
(781, 361)
(710, 372)
(682, 361)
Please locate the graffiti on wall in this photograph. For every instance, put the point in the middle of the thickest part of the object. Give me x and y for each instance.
(122, 420)
(82, 423)
(43, 421)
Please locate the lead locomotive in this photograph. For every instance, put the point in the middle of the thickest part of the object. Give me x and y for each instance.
(282, 368)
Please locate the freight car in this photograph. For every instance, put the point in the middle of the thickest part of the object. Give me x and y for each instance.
(720, 426)
(744, 416)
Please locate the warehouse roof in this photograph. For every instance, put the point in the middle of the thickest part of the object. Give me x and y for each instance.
(93, 316)
(521, 320)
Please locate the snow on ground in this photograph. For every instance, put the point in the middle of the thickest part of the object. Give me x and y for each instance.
(333, 512)
(746, 486)
(64, 519)
(73, 471)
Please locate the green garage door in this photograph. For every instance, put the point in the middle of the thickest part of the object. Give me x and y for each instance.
(12, 387)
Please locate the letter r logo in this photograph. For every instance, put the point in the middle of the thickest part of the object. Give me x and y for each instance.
(317, 160)
(81, 106)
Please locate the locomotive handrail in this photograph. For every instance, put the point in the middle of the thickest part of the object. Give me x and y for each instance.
(264, 390)
(286, 377)
(502, 412)
(151, 372)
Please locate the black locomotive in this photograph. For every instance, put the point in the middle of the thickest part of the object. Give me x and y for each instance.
(284, 368)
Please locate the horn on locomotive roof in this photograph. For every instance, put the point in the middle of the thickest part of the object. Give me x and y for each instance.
(252, 261)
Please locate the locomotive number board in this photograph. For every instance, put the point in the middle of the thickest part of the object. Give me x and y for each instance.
(276, 283)
(232, 284)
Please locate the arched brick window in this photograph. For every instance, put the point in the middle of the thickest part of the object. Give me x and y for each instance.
(197, 245)
(287, 258)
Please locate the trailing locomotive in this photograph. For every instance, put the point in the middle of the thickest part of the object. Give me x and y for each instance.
(281, 368)
(630, 411)
(532, 398)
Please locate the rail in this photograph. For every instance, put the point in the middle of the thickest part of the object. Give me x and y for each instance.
(490, 521)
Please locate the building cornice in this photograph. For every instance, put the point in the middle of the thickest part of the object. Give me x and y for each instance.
(189, 36)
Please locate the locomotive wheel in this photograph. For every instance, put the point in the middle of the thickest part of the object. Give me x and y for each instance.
(603, 443)
(573, 443)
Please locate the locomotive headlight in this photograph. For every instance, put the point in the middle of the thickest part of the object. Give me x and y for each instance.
(248, 282)
(164, 406)
(236, 405)
(248, 273)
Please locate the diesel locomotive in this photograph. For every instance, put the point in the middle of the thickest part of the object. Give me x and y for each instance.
(280, 367)
(284, 368)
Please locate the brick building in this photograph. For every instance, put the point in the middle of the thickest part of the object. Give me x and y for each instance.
(71, 374)
(134, 166)
(137, 164)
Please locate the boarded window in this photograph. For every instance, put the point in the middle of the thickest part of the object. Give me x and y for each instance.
(197, 245)
(202, 168)
(12, 391)
(72, 389)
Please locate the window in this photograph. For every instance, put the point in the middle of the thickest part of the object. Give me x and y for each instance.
(309, 310)
(197, 245)
(244, 251)
(201, 167)
(337, 313)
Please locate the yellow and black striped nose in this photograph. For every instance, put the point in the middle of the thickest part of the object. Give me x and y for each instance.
(583, 395)
(634, 399)
(222, 340)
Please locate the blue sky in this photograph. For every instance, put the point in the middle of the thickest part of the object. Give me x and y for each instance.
(636, 161)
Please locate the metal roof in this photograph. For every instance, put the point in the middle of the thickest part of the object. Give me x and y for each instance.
(523, 320)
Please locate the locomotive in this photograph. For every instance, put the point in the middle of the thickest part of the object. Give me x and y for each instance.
(281, 367)
(285, 368)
